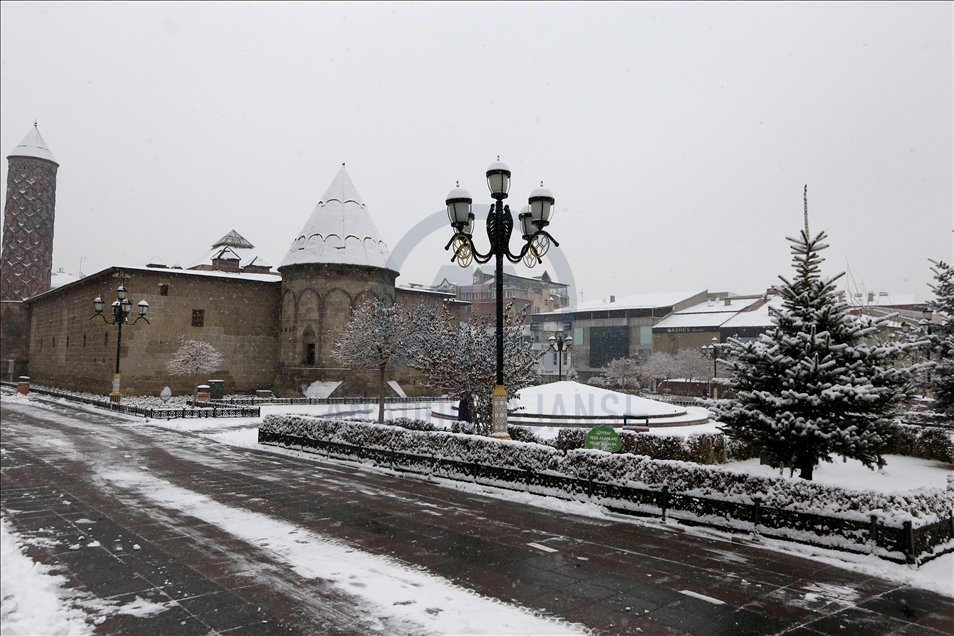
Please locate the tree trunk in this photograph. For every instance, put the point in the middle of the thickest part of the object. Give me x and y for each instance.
(381, 396)
(805, 466)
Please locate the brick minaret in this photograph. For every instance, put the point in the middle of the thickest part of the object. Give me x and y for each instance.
(26, 260)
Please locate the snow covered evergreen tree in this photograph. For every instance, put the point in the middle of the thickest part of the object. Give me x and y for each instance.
(192, 358)
(462, 359)
(379, 336)
(818, 383)
(941, 338)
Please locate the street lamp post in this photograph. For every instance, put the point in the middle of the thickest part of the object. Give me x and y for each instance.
(560, 344)
(712, 352)
(927, 314)
(121, 309)
(533, 218)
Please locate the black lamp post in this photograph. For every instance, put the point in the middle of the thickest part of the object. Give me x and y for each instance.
(121, 309)
(712, 352)
(927, 314)
(533, 219)
(560, 344)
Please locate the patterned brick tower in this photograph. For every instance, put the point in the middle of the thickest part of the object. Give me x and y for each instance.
(26, 260)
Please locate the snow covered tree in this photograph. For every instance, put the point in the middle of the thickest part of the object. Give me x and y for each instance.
(692, 366)
(623, 374)
(660, 366)
(941, 338)
(379, 336)
(461, 358)
(818, 383)
(192, 358)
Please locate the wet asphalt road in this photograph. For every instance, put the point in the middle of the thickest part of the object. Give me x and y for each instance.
(612, 576)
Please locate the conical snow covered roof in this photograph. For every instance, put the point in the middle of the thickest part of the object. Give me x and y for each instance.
(340, 230)
(33, 146)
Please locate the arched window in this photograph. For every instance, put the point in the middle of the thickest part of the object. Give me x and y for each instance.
(308, 347)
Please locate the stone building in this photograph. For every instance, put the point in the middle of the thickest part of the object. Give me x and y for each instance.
(276, 330)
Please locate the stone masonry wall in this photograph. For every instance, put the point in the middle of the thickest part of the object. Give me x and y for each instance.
(240, 319)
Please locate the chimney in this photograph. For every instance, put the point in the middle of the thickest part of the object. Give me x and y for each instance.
(870, 297)
(727, 301)
(612, 299)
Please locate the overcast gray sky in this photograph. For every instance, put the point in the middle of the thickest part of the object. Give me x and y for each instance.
(676, 138)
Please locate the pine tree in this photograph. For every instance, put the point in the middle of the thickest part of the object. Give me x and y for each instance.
(818, 383)
(461, 358)
(192, 358)
(379, 336)
(941, 338)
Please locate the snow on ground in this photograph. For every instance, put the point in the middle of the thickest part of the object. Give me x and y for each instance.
(388, 587)
(936, 575)
(901, 473)
(318, 557)
(34, 601)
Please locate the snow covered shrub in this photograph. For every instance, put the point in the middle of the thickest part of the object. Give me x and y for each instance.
(928, 505)
(523, 434)
(569, 438)
(934, 443)
(816, 384)
(702, 448)
(475, 449)
(413, 425)
(596, 381)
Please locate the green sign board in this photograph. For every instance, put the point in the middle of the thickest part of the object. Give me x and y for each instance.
(603, 438)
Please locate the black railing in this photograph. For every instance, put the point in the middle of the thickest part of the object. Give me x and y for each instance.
(212, 411)
(325, 401)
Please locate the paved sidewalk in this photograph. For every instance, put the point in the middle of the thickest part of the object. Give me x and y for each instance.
(615, 577)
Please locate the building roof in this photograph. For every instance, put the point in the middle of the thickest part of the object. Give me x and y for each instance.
(33, 145)
(710, 314)
(234, 239)
(758, 317)
(340, 230)
(692, 321)
(637, 301)
(232, 246)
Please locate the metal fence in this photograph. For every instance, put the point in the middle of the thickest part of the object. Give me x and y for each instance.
(213, 411)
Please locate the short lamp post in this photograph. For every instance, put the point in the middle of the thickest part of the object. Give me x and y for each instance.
(533, 218)
(559, 344)
(712, 352)
(122, 306)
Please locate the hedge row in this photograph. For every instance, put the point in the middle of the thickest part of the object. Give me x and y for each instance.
(925, 442)
(926, 505)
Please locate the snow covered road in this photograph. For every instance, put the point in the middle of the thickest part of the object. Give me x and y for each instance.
(202, 537)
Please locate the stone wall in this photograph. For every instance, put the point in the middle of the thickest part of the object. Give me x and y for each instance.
(239, 317)
(316, 304)
(14, 339)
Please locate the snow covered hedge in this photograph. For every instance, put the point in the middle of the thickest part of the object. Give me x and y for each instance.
(925, 505)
